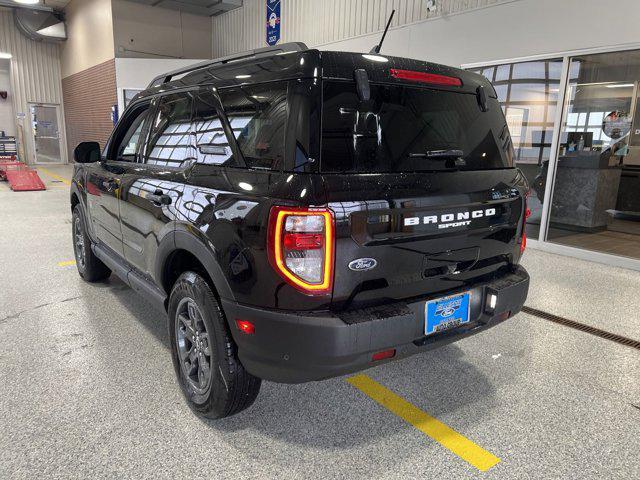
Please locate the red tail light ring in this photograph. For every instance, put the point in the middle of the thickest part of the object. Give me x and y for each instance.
(527, 214)
(297, 241)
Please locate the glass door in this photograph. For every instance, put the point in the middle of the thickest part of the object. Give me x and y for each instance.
(596, 186)
(46, 133)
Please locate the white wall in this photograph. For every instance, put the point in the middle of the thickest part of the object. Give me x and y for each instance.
(7, 117)
(511, 30)
(90, 35)
(318, 22)
(144, 31)
(137, 73)
(470, 31)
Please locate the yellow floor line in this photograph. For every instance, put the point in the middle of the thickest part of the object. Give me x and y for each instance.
(66, 263)
(441, 433)
(54, 175)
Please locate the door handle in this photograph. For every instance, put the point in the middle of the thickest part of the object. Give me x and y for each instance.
(158, 198)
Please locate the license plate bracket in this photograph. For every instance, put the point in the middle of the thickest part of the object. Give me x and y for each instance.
(446, 313)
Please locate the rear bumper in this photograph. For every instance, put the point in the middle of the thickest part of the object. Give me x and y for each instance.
(296, 347)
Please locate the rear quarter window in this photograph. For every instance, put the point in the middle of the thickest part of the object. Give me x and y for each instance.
(257, 115)
(276, 124)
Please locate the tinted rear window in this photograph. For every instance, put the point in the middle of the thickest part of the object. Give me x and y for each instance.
(405, 129)
(276, 124)
(258, 115)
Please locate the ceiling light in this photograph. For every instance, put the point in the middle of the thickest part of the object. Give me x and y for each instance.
(245, 186)
(243, 76)
(620, 85)
(27, 2)
(5, 55)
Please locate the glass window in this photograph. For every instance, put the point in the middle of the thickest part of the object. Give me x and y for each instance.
(212, 143)
(258, 117)
(528, 70)
(397, 129)
(127, 145)
(596, 195)
(488, 73)
(169, 141)
(502, 72)
(128, 95)
(528, 92)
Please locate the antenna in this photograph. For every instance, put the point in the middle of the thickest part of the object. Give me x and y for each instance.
(378, 47)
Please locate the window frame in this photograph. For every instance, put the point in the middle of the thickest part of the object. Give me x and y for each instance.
(153, 100)
(314, 166)
(142, 153)
(233, 138)
(226, 126)
(115, 140)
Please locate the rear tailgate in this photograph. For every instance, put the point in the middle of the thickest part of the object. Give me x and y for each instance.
(417, 163)
(422, 233)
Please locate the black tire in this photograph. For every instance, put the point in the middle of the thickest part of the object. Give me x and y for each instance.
(89, 266)
(224, 388)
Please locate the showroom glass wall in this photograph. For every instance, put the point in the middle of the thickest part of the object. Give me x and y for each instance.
(528, 94)
(582, 161)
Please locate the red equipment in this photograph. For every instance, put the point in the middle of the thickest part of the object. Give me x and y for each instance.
(20, 177)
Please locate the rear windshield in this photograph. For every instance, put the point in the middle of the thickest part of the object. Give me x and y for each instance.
(408, 129)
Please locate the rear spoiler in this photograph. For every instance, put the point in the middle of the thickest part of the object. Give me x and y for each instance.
(259, 52)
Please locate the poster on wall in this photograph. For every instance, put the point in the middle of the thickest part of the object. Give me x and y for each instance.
(273, 22)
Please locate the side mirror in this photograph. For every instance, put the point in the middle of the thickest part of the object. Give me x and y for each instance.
(87, 152)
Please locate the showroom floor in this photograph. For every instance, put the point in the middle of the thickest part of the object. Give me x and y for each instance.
(88, 390)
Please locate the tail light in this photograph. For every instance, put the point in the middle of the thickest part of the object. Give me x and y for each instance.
(301, 247)
(527, 214)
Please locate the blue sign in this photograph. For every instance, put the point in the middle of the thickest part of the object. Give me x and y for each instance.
(273, 22)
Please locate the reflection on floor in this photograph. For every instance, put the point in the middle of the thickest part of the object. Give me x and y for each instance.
(620, 238)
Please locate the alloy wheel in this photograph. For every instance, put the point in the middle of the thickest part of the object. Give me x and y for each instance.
(194, 347)
(79, 246)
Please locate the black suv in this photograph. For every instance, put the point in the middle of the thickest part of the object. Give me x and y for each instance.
(303, 214)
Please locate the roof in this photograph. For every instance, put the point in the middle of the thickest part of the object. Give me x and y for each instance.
(266, 65)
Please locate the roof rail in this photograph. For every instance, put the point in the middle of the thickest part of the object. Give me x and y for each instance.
(259, 52)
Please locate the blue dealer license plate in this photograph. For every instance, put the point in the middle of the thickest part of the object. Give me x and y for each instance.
(445, 313)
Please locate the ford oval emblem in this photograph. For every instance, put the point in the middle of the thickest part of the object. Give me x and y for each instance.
(362, 264)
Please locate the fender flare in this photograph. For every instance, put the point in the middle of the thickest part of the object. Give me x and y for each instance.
(74, 189)
(183, 240)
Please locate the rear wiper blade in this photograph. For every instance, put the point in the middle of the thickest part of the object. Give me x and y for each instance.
(438, 154)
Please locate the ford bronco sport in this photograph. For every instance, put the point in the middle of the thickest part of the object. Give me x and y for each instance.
(301, 215)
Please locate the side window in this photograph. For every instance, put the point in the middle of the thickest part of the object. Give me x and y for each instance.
(258, 116)
(212, 144)
(169, 142)
(127, 142)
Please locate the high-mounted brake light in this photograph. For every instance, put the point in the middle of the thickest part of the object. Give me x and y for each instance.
(423, 77)
(301, 246)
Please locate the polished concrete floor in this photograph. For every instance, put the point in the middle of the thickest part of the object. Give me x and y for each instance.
(87, 388)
